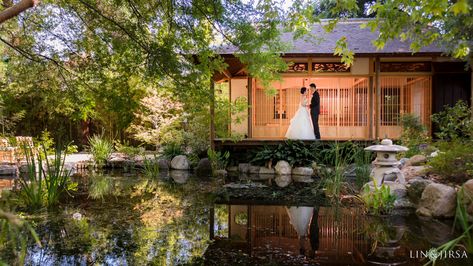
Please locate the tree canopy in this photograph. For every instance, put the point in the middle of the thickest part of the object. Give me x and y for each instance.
(76, 60)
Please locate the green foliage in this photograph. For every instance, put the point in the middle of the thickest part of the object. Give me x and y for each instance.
(454, 160)
(218, 160)
(172, 150)
(378, 200)
(101, 149)
(362, 167)
(447, 23)
(333, 179)
(342, 151)
(454, 122)
(413, 134)
(130, 151)
(13, 238)
(100, 186)
(46, 180)
(151, 167)
(293, 151)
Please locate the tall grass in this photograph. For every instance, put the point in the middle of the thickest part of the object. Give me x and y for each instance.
(151, 167)
(363, 160)
(333, 179)
(46, 179)
(101, 149)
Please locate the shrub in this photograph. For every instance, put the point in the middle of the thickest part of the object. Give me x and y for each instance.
(218, 160)
(101, 149)
(151, 167)
(454, 160)
(296, 153)
(413, 134)
(130, 151)
(43, 187)
(172, 150)
(454, 122)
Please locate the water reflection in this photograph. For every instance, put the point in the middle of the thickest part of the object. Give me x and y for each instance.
(297, 235)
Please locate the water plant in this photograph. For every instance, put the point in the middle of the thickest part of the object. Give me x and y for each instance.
(46, 179)
(13, 239)
(151, 166)
(378, 200)
(333, 178)
(101, 149)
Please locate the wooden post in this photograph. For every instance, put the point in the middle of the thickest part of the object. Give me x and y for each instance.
(212, 114)
(250, 107)
(378, 96)
(371, 100)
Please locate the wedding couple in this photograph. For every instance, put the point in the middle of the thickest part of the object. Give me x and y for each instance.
(303, 125)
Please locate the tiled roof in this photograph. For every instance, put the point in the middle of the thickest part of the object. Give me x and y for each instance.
(359, 40)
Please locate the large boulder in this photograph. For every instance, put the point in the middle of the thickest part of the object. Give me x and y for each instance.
(415, 188)
(244, 168)
(8, 170)
(266, 171)
(283, 168)
(179, 176)
(302, 178)
(180, 162)
(203, 168)
(283, 180)
(437, 200)
(411, 172)
(221, 173)
(468, 198)
(303, 171)
(163, 164)
(416, 160)
(253, 169)
(232, 169)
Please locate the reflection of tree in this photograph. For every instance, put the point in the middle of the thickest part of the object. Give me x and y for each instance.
(139, 221)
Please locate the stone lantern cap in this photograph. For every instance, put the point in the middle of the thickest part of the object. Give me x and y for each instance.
(386, 146)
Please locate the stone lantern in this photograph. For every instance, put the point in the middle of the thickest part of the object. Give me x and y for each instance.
(386, 163)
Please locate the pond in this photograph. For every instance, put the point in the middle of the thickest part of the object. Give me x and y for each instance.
(175, 219)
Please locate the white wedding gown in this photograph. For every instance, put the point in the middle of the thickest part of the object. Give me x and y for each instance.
(301, 124)
(300, 218)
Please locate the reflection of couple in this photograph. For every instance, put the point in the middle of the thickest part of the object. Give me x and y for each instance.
(304, 221)
(303, 125)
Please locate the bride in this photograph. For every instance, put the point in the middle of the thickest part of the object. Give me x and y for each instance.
(301, 124)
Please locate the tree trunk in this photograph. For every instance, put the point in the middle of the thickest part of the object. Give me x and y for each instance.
(15, 10)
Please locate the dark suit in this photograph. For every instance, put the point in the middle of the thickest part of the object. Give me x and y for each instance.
(314, 113)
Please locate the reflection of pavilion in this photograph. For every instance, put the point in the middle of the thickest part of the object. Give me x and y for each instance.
(260, 227)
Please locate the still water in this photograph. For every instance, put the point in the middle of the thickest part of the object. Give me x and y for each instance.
(127, 219)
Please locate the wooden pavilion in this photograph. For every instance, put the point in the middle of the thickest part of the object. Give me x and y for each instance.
(362, 102)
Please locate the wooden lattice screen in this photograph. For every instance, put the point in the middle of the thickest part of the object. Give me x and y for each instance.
(345, 106)
(403, 95)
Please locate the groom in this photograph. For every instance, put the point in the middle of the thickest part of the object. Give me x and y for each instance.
(315, 109)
